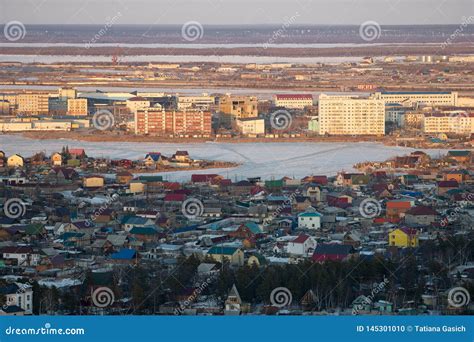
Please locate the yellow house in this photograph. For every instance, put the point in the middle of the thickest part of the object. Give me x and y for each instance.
(233, 255)
(137, 187)
(403, 237)
(56, 159)
(93, 182)
(15, 161)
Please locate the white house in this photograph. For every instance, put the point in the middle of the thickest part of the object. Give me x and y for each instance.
(20, 295)
(309, 220)
(23, 255)
(303, 245)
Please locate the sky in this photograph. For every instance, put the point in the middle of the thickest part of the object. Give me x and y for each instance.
(236, 12)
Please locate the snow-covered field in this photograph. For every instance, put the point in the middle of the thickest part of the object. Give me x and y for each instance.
(268, 160)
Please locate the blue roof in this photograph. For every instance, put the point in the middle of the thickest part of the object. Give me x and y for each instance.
(310, 215)
(136, 220)
(254, 228)
(154, 156)
(124, 254)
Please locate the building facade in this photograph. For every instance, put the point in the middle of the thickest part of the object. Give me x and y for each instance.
(424, 98)
(344, 115)
(293, 101)
(155, 121)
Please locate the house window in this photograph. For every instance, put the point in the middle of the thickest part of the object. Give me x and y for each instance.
(27, 297)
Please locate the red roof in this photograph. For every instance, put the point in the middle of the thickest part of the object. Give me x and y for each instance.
(409, 231)
(301, 239)
(76, 151)
(204, 178)
(421, 210)
(294, 96)
(448, 184)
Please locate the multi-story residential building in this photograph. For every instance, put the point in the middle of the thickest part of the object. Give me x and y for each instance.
(237, 107)
(251, 126)
(57, 106)
(19, 295)
(294, 101)
(424, 98)
(136, 103)
(459, 122)
(77, 106)
(156, 121)
(203, 102)
(67, 93)
(345, 115)
(33, 103)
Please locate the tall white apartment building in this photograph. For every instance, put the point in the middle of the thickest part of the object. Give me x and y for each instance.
(420, 97)
(346, 115)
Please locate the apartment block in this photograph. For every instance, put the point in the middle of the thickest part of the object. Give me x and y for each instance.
(77, 106)
(345, 115)
(203, 102)
(237, 107)
(156, 121)
(458, 122)
(251, 126)
(293, 101)
(33, 103)
(420, 98)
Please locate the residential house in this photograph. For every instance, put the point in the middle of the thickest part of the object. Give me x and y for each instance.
(332, 252)
(403, 237)
(445, 186)
(56, 159)
(233, 255)
(233, 303)
(303, 245)
(396, 209)
(15, 161)
(421, 215)
(309, 220)
(22, 255)
(93, 181)
(19, 295)
(460, 156)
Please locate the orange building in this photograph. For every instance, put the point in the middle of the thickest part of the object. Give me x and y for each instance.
(397, 209)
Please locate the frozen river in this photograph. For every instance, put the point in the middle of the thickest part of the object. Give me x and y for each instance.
(268, 160)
